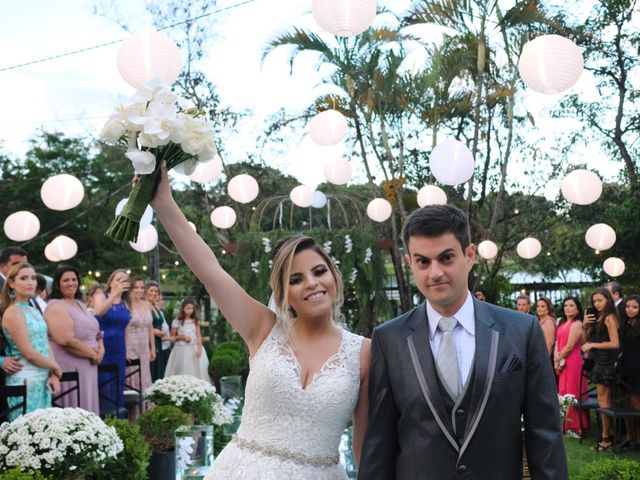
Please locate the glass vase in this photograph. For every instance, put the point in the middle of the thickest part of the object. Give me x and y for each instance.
(194, 451)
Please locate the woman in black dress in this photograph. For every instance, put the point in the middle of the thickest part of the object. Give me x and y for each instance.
(630, 343)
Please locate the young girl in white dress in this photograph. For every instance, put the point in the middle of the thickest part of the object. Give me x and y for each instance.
(187, 357)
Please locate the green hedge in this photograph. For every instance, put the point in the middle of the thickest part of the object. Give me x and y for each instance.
(158, 424)
(17, 474)
(610, 469)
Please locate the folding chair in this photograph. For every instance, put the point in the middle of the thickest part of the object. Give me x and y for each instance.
(589, 403)
(132, 394)
(12, 391)
(68, 377)
(112, 372)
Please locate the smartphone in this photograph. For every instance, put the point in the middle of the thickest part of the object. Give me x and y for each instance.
(591, 311)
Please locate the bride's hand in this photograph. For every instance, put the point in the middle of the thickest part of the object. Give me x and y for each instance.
(162, 195)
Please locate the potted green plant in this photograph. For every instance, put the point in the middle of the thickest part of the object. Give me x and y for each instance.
(17, 474)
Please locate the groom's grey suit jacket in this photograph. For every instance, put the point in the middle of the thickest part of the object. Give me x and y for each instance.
(416, 431)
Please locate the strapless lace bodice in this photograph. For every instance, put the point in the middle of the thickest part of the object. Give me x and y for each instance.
(288, 431)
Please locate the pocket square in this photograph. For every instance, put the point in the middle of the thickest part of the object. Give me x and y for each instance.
(511, 364)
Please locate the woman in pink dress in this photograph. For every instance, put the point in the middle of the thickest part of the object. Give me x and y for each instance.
(568, 363)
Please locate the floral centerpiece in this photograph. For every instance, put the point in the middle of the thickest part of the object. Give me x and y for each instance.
(193, 396)
(58, 443)
(157, 126)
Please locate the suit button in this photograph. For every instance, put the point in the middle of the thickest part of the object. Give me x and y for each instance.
(462, 469)
(460, 412)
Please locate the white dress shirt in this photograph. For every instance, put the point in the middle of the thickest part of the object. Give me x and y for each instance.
(464, 334)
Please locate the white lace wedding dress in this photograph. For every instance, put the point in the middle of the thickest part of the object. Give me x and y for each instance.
(288, 432)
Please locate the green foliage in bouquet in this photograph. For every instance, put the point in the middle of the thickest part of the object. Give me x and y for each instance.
(614, 468)
(17, 474)
(158, 424)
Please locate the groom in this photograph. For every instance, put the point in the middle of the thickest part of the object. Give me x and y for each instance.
(451, 379)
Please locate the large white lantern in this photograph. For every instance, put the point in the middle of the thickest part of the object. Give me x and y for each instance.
(613, 266)
(147, 239)
(149, 55)
(431, 195)
(379, 210)
(50, 254)
(550, 64)
(62, 192)
(344, 17)
(319, 199)
(581, 187)
(147, 216)
(600, 236)
(223, 217)
(21, 226)
(302, 196)
(487, 249)
(337, 171)
(328, 127)
(63, 248)
(451, 162)
(243, 188)
(529, 248)
(207, 172)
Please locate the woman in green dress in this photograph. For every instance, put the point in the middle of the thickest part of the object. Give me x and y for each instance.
(152, 293)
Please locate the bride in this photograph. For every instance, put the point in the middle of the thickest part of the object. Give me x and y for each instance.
(308, 375)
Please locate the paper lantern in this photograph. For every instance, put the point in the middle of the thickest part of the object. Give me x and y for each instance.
(328, 127)
(50, 254)
(613, 266)
(21, 226)
(431, 195)
(147, 216)
(302, 196)
(451, 162)
(600, 236)
(62, 192)
(207, 172)
(223, 217)
(529, 248)
(243, 188)
(344, 17)
(487, 249)
(319, 199)
(581, 187)
(550, 64)
(147, 239)
(63, 248)
(337, 171)
(379, 210)
(149, 55)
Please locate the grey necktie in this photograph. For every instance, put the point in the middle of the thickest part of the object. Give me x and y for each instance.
(447, 359)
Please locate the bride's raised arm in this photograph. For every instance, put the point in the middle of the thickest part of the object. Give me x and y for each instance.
(250, 318)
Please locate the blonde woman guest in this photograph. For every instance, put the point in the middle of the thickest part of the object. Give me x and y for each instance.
(547, 320)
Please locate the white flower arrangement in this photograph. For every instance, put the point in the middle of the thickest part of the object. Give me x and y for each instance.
(367, 255)
(56, 441)
(353, 276)
(267, 244)
(566, 402)
(327, 246)
(348, 244)
(254, 266)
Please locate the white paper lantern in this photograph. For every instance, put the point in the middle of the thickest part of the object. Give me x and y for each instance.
(149, 55)
(487, 249)
(600, 236)
(613, 266)
(550, 64)
(243, 188)
(581, 187)
(529, 248)
(302, 196)
(63, 248)
(337, 171)
(344, 17)
(147, 239)
(50, 254)
(223, 217)
(431, 195)
(451, 162)
(379, 210)
(328, 127)
(147, 216)
(319, 199)
(62, 192)
(21, 226)
(207, 172)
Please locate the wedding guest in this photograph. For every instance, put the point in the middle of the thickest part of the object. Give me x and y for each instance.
(90, 295)
(168, 340)
(480, 295)
(152, 292)
(75, 337)
(547, 320)
(523, 304)
(630, 343)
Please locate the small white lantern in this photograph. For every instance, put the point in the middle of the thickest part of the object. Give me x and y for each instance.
(319, 199)
(147, 239)
(487, 249)
(50, 254)
(63, 248)
(529, 248)
(451, 162)
(21, 226)
(344, 17)
(302, 196)
(223, 217)
(149, 55)
(328, 127)
(379, 210)
(337, 171)
(147, 216)
(581, 187)
(243, 188)
(207, 172)
(600, 236)
(62, 192)
(431, 195)
(550, 64)
(613, 266)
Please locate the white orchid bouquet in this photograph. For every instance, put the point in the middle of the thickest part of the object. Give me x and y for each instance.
(157, 126)
(57, 442)
(191, 395)
(566, 402)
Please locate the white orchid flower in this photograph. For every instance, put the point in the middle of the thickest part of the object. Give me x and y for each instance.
(143, 162)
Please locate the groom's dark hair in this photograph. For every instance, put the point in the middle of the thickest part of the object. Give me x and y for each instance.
(436, 220)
